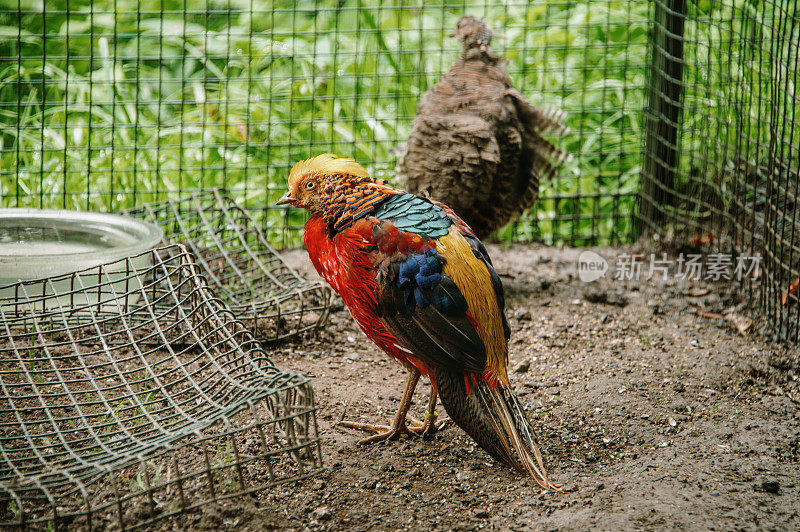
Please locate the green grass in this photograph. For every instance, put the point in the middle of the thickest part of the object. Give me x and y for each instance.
(119, 105)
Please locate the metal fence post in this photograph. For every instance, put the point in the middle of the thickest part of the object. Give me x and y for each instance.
(663, 113)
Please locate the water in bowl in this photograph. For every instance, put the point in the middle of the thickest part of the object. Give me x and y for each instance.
(44, 251)
(23, 239)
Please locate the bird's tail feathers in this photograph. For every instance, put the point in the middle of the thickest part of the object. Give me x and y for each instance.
(549, 157)
(549, 119)
(539, 121)
(493, 416)
(544, 119)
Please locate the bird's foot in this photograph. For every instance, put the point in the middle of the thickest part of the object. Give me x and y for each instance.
(412, 427)
(430, 426)
(382, 432)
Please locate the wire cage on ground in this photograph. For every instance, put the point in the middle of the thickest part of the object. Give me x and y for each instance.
(240, 265)
(130, 394)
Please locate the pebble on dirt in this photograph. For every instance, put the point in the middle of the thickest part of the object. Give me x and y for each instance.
(523, 366)
(323, 513)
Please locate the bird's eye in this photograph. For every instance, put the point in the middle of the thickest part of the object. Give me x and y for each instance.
(310, 185)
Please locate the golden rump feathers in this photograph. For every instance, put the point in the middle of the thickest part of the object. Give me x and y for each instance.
(326, 164)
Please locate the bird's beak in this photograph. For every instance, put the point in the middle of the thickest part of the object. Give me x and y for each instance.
(452, 33)
(286, 199)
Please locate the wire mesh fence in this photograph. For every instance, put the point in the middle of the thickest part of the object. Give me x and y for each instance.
(130, 393)
(240, 265)
(721, 157)
(107, 104)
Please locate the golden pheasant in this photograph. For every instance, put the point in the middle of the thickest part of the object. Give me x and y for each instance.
(421, 286)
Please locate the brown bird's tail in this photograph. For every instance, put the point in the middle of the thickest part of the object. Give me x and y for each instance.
(494, 418)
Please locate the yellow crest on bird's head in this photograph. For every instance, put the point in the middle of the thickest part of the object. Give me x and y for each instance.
(324, 165)
(311, 182)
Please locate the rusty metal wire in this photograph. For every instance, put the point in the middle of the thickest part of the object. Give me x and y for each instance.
(129, 392)
(244, 270)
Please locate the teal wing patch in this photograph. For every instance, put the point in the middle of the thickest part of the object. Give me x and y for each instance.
(409, 212)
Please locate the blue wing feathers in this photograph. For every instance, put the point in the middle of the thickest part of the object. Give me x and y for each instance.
(423, 283)
(425, 309)
(416, 300)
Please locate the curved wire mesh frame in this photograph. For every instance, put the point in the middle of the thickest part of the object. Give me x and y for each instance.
(273, 300)
(130, 393)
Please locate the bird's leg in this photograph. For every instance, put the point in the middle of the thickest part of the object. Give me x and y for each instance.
(399, 424)
(430, 425)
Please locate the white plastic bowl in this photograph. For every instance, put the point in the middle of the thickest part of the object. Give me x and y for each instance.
(36, 244)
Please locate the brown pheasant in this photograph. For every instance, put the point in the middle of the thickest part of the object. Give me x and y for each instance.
(476, 143)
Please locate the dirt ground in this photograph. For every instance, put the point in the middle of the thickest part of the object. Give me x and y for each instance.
(652, 412)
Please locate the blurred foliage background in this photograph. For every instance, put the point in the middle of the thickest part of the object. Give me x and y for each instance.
(109, 103)
(106, 104)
